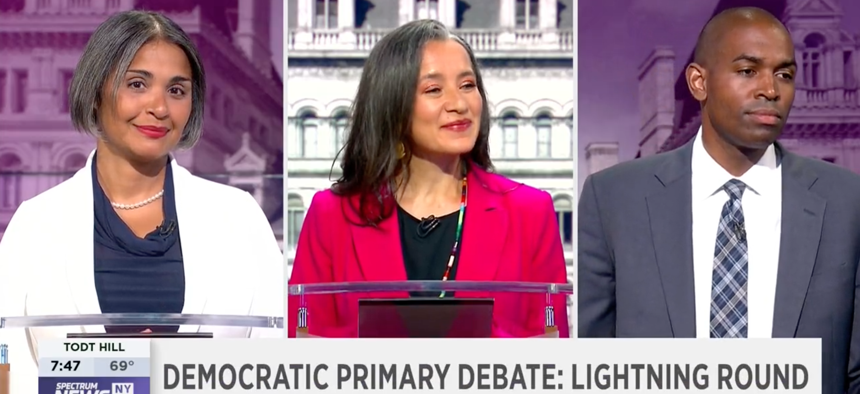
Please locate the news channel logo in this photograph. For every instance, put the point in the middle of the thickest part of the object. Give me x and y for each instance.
(93, 388)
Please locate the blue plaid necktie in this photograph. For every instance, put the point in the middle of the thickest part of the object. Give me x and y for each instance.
(729, 283)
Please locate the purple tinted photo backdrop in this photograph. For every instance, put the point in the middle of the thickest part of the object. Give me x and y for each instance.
(634, 102)
(240, 42)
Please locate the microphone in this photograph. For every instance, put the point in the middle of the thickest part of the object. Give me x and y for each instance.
(427, 225)
(167, 228)
(740, 231)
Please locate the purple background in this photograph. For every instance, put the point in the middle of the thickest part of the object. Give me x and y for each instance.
(49, 385)
(241, 44)
(616, 37)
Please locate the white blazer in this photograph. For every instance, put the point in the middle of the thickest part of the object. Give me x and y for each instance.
(46, 263)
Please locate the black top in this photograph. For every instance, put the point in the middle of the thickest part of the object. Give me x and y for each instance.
(426, 257)
(135, 275)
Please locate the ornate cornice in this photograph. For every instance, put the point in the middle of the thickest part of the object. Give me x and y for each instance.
(25, 41)
(354, 73)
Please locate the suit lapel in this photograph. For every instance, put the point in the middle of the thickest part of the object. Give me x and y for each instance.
(484, 229)
(802, 218)
(198, 261)
(80, 269)
(670, 213)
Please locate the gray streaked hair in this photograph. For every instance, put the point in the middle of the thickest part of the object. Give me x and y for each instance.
(109, 53)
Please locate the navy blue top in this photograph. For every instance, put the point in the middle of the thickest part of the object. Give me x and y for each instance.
(137, 275)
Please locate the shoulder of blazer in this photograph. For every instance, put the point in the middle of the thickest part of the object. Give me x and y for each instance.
(222, 205)
(327, 206)
(826, 179)
(56, 196)
(212, 193)
(517, 196)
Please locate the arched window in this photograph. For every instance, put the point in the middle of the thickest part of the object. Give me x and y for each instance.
(813, 53)
(340, 124)
(564, 213)
(528, 14)
(426, 9)
(543, 127)
(308, 125)
(510, 131)
(295, 217)
(73, 163)
(228, 113)
(11, 181)
(325, 14)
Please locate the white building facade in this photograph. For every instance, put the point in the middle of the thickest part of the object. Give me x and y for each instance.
(525, 48)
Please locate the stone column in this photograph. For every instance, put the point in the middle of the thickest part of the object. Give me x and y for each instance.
(304, 38)
(346, 14)
(42, 84)
(656, 100)
(601, 155)
(305, 14)
(448, 13)
(507, 13)
(407, 11)
(548, 14)
(346, 24)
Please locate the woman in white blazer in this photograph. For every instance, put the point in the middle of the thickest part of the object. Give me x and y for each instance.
(133, 231)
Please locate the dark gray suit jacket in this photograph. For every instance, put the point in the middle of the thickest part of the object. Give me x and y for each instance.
(635, 259)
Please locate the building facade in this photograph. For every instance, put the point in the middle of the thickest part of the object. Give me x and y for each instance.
(825, 119)
(40, 44)
(525, 48)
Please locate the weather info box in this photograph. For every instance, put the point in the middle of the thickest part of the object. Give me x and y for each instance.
(94, 366)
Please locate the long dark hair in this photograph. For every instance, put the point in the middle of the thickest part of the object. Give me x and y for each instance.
(382, 119)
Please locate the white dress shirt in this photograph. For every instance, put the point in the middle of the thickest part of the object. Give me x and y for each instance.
(762, 207)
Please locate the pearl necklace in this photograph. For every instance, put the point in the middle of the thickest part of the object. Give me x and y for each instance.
(140, 204)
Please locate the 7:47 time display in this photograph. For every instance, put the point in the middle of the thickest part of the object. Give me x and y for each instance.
(70, 366)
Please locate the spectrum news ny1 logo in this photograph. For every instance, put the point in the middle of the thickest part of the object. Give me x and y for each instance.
(93, 388)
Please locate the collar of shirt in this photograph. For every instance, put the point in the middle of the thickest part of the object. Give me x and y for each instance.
(709, 177)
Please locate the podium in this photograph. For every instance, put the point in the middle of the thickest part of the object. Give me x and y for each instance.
(142, 319)
(429, 309)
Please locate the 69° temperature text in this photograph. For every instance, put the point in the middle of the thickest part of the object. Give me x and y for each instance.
(120, 365)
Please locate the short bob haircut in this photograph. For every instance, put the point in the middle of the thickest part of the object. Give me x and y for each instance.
(108, 54)
(382, 120)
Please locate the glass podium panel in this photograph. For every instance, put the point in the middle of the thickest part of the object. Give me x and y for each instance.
(153, 321)
(429, 309)
(141, 319)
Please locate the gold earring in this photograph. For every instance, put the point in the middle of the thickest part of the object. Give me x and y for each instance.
(401, 151)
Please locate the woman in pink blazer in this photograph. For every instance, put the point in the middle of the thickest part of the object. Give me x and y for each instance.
(418, 199)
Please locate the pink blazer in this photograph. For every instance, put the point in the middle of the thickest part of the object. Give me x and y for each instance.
(510, 233)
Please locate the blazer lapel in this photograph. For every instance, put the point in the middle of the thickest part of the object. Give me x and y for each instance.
(380, 255)
(671, 217)
(802, 218)
(80, 268)
(197, 257)
(484, 229)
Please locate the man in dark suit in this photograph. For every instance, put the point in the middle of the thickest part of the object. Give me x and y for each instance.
(729, 236)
